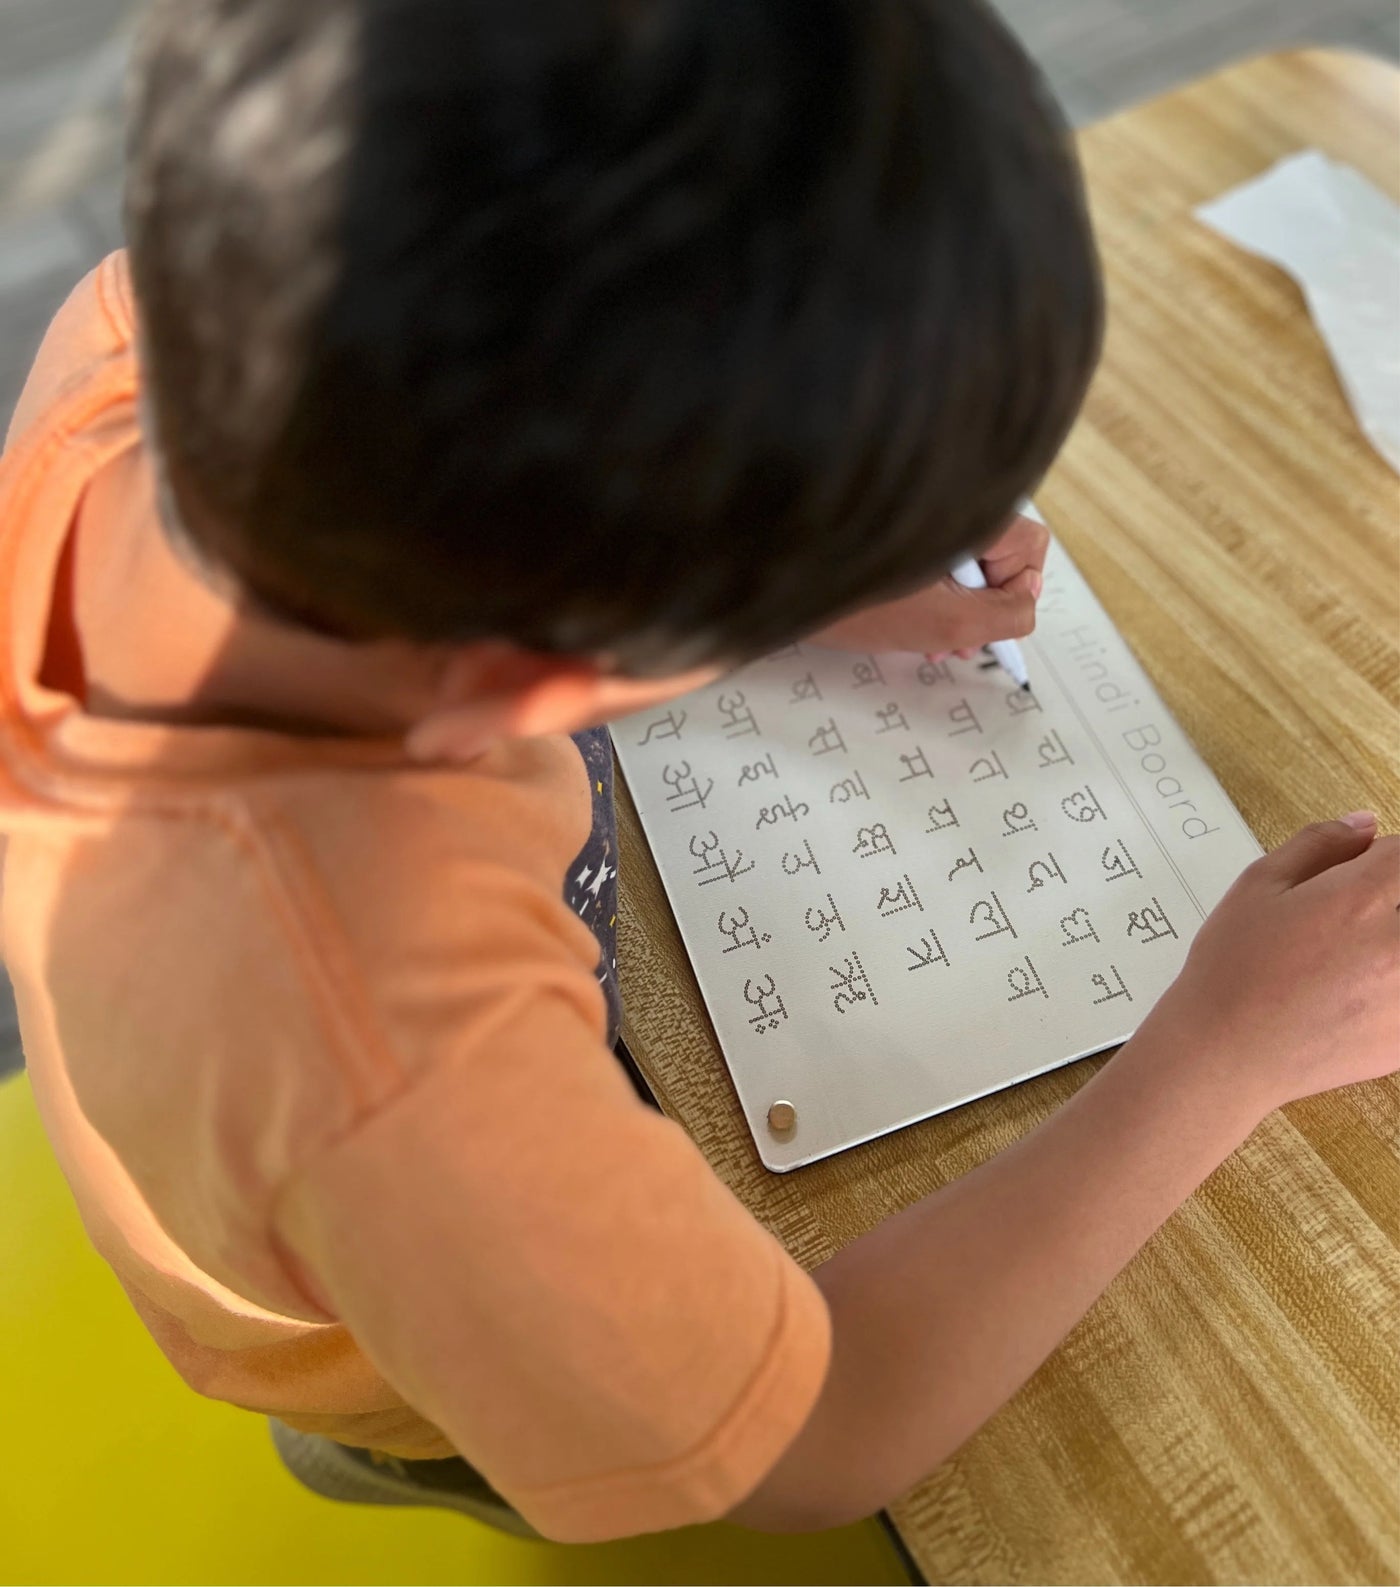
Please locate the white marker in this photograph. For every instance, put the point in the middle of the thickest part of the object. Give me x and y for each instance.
(1008, 653)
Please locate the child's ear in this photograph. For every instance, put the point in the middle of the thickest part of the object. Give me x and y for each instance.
(489, 692)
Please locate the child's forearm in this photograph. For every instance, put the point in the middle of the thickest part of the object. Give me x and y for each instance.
(940, 1314)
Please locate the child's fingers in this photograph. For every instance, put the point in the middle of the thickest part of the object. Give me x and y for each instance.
(1373, 875)
(1003, 612)
(1315, 849)
(1023, 544)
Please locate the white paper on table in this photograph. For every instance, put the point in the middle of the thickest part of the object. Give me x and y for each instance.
(904, 885)
(1339, 238)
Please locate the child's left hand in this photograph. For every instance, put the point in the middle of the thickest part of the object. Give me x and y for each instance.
(944, 617)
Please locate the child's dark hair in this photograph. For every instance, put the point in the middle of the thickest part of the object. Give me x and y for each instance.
(659, 330)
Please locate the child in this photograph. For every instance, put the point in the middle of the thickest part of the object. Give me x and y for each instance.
(484, 369)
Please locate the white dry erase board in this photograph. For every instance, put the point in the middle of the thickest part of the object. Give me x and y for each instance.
(904, 885)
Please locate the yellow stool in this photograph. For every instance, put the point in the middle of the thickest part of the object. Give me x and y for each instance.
(112, 1471)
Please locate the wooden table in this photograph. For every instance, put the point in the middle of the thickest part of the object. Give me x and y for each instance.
(1230, 1410)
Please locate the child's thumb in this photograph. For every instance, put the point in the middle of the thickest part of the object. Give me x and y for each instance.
(1318, 848)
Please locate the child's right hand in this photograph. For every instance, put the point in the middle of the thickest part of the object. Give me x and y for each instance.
(1294, 980)
(943, 617)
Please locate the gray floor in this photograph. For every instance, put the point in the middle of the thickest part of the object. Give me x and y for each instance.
(1103, 54)
(61, 64)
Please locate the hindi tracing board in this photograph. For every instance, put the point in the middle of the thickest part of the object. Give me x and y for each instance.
(903, 885)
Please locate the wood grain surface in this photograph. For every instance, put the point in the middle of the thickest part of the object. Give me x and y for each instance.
(1230, 1410)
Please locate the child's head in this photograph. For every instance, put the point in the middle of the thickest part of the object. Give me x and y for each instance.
(652, 330)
